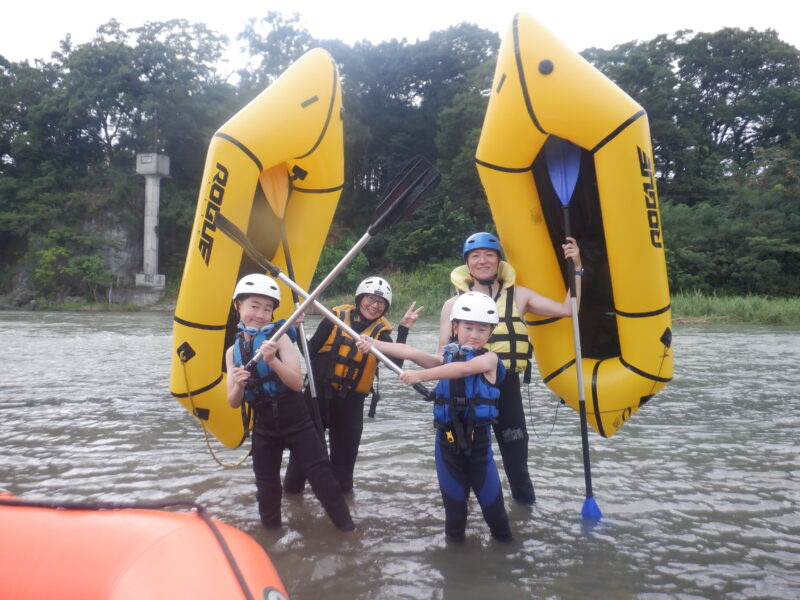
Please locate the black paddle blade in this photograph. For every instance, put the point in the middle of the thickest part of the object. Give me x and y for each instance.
(227, 227)
(404, 193)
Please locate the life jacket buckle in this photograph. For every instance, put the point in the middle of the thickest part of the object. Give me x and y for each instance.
(450, 437)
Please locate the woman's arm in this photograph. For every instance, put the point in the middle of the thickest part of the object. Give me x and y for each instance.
(445, 326)
(529, 301)
(406, 322)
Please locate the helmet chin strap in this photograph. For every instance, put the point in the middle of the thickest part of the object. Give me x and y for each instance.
(487, 282)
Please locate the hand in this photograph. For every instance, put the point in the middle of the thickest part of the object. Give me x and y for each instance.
(410, 377)
(364, 344)
(240, 375)
(300, 319)
(572, 251)
(411, 315)
(268, 350)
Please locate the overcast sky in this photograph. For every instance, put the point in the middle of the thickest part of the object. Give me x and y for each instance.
(33, 29)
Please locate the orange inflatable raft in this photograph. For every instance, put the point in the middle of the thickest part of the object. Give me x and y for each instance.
(110, 552)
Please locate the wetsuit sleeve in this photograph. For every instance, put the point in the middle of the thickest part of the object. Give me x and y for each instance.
(320, 335)
(402, 334)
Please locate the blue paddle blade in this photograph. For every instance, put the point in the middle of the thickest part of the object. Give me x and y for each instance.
(590, 510)
(563, 165)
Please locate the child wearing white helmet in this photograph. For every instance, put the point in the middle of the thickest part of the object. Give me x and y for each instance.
(465, 406)
(484, 270)
(344, 375)
(271, 387)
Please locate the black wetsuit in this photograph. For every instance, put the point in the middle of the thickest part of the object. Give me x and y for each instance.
(282, 421)
(342, 413)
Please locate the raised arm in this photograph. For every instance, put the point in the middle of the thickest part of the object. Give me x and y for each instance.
(486, 364)
(287, 365)
(529, 301)
(237, 379)
(445, 326)
(402, 351)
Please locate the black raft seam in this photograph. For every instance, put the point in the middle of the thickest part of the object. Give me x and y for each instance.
(558, 371)
(644, 374)
(317, 191)
(640, 315)
(617, 131)
(521, 73)
(201, 390)
(598, 417)
(502, 169)
(328, 117)
(542, 322)
(241, 147)
(199, 325)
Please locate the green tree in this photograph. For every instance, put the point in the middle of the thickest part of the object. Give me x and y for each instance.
(273, 43)
(750, 245)
(743, 82)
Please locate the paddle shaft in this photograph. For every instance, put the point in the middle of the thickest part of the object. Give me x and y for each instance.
(312, 297)
(296, 299)
(576, 335)
(312, 387)
(341, 324)
(232, 231)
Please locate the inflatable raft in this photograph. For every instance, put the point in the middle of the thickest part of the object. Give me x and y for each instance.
(542, 89)
(276, 170)
(71, 551)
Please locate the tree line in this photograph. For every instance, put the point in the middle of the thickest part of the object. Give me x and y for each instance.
(724, 111)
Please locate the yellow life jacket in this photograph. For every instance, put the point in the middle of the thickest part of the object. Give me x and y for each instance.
(510, 338)
(342, 366)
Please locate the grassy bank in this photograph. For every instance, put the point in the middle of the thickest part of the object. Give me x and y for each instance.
(430, 287)
(702, 308)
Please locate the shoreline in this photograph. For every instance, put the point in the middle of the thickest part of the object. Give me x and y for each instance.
(688, 309)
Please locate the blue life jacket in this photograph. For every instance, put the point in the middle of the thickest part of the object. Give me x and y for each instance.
(263, 382)
(461, 404)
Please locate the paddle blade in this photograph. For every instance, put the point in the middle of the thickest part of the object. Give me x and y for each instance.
(275, 183)
(590, 511)
(563, 166)
(404, 193)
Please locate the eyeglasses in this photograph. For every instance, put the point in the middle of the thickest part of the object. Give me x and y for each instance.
(371, 300)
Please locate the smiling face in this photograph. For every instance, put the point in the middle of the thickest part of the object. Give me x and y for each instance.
(472, 333)
(255, 310)
(483, 263)
(371, 306)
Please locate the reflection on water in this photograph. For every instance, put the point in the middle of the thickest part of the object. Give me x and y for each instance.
(700, 489)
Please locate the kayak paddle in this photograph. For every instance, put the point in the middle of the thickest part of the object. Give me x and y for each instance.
(238, 236)
(403, 195)
(563, 166)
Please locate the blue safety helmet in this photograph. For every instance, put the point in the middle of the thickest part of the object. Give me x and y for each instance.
(481, 240)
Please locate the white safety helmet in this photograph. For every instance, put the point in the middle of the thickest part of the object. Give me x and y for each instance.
(475, 306)
(256, 283)
(377, 287)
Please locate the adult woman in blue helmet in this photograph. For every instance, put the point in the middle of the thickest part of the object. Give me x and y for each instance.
(485, 271)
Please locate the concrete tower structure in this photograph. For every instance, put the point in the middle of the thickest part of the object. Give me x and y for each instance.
(153, 166)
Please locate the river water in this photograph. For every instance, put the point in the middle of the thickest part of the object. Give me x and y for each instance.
(700, 490)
